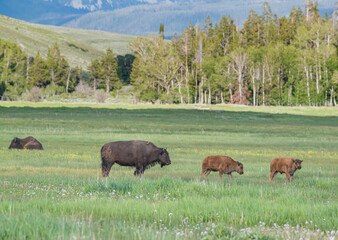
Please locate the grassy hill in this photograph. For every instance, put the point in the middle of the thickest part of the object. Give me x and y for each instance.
(77, 45)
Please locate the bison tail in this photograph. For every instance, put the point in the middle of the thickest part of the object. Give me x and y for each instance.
(103, 158)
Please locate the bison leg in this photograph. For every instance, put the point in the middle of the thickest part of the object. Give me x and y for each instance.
(206, 173)
(139, 171)
(230, 176)
(220, 175)
(287, 177)
(202, 172)
(272, 175)
(136, 172)
(291, 178)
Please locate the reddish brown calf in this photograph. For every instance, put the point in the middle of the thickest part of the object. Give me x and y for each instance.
(221, 164)
(284, 165)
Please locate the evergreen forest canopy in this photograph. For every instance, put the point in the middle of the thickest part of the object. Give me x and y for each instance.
(269, 61)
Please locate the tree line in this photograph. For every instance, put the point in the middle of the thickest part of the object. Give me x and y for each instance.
(20, 73)
(290, 60)
(269, 61)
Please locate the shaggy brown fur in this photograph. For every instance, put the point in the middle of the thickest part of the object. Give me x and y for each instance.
(25, 143)
(139, 154)
(221, 164)
(284, 165)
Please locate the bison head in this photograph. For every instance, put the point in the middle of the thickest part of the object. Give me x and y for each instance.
(240, 169)
(164, 157)
(15, 144)
(297, 163)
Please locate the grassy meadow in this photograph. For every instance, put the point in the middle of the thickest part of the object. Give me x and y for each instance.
(59, 193)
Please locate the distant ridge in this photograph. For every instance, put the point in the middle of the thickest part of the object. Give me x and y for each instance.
(143, 17)
(79, 46)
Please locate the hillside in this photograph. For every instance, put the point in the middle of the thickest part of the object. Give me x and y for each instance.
(143, 17)
(77, 45)
(177, 15)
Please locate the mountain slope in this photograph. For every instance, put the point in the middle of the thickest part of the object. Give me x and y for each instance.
(77, 45)
(143, 17)
(177, 15)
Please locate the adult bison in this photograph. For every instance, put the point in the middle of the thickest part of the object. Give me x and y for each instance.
(221, 164)
(139, 154)
(26, 143)
(284, 165)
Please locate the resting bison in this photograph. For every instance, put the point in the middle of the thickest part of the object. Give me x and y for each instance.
(284, 165)
(221, 164)
(25, 143)
(139, 154)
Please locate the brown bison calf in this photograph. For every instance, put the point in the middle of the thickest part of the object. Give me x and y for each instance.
(26, 143)
(284, 165)
(221, 164)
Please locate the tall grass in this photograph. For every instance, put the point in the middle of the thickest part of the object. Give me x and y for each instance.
(59, 192)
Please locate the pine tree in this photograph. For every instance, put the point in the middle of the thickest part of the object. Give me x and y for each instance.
(39, 74)
(58, 67)
(253, 30)
(225, 35)
(13, 66)
(161, 31)
(95, 73)
(109, 71)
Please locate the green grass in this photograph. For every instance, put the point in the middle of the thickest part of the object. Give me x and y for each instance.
(79, 46)
(58, 193)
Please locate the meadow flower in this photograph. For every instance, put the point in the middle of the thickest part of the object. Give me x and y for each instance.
(170, 214)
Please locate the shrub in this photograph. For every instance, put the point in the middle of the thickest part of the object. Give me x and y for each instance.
(150, 95)
(83, 87)
(52, 90)
(33, 95)
(11, 93)
(100, 96)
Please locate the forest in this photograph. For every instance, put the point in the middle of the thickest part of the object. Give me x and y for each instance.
(268, 60)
